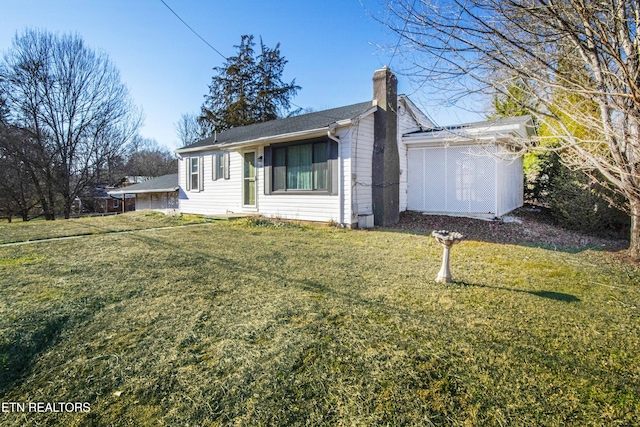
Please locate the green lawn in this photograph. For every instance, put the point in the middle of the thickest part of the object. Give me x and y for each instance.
(242, 323)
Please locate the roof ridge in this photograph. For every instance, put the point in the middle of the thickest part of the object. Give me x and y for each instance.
(302, 122)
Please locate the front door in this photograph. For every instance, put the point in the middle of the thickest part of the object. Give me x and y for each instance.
(249, 179)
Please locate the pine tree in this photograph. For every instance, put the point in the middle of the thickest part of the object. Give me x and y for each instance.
(514, 102)
(247, 89)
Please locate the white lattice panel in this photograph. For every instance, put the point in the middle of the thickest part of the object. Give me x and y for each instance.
(435, 177)
(415, 180)
(457, 179)
(510, 182)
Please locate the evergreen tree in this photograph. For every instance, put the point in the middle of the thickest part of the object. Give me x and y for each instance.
(514, 102)
(247, 88)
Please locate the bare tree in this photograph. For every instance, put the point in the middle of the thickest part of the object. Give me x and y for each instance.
(26, 159)
(578, 60)
(17, 193)
(148, 159)
(189, 129)
(72, 102)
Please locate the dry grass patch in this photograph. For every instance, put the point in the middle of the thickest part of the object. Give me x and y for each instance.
(241, 323)
(40, 229)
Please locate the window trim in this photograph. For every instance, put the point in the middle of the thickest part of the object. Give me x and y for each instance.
(190, 173)
(251, 207)
(332, 168)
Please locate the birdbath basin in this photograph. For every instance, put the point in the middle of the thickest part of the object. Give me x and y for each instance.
(446, 239)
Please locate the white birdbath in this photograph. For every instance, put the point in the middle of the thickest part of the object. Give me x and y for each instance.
(446, 239)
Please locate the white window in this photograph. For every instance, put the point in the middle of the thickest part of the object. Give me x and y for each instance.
(194, 173)
(220, 166)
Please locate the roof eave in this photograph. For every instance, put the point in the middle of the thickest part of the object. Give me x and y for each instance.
(460, 138)
(498, 133)
(285, 137)
(159, 190)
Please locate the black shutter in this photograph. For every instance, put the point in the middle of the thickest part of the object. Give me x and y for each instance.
(334, 168)
(267, 169)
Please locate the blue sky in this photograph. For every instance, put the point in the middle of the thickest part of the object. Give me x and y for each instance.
(331, 46)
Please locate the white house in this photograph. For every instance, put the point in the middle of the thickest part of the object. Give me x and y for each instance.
(356, 165)
(159, 194)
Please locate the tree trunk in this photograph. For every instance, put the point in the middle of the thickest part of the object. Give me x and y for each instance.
(68, 203)
(51, 201)
(25, 215)
(47, 209)
(634, 245)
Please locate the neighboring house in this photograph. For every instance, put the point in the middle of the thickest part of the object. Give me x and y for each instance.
(134, 179)
(356, 165)
(159, 194)
(98, 200)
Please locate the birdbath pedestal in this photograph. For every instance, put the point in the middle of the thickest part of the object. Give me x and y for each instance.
(446, 239)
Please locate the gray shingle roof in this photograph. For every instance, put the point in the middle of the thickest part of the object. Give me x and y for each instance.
(303, 122)
(161, 184)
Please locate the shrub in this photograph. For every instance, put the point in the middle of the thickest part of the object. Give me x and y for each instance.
(258, 221)
(574, 201)
(578, 203)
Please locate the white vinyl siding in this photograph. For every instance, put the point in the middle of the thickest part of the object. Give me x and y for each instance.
(344, 165)
(224, 196)
(406, 124)
(217, 197)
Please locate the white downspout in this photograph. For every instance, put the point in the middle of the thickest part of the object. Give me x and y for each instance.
(331, 133)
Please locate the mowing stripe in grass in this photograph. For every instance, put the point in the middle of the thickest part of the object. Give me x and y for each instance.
(52, 239)
(259, 322)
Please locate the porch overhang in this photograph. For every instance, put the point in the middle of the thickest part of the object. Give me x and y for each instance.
(480, 133)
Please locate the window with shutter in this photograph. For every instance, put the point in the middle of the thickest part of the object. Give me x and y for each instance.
(214, 167)
(220, 166)
(305, 166)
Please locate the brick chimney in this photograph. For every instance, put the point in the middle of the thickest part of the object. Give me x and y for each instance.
(386, 161)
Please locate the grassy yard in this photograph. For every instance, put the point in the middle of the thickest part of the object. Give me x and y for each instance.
(19, 231)
(243, 323)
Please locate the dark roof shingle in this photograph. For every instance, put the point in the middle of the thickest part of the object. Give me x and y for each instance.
(303, 122)
(159, 184)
